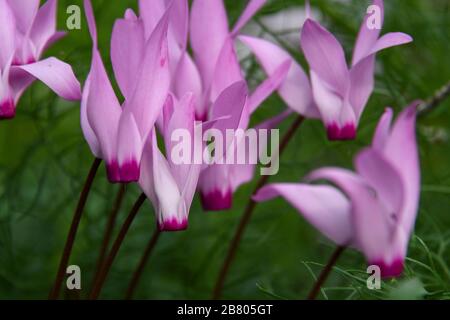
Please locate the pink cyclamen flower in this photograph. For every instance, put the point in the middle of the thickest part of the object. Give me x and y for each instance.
(169, 185)
(115, 133)
(216, 67)
(336, 93)
(26, 32)
(378, 211)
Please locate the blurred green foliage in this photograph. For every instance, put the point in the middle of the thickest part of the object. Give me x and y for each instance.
(44, 161)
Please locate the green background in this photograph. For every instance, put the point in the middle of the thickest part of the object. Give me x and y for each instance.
(44, 161)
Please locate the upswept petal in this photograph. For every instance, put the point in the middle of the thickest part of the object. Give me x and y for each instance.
(153, 80)
(54, 38)
(227, 71)
(188, 79)
(325, 207)
(127, 49)
(7, 34)
(91, 22)
(208, 33)
(325, 56)
(88, 133)
(44, 26)
(361, 84)
(180, 22)
(103, 110)
(252, 7)
(268, 86)
(24, 11)
(401, 150)
(389, 40)
(368, 34)
(151, 12)
(57, 75)
(382, 130)
(296, 89)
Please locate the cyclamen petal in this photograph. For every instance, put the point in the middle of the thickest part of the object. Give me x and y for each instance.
(208, 33)
(129, 150)
(384, 192)
(216, 192)
(325, 207)
(24, 11)
(161, 187)
(252, 7)
(44, 26)
(295, 89)
(153, 79)
(268, 86)
(325, 56)
(88, 133)
(127, 49)
(7, 34)
(26, 32)
(57, 75)
(103, 113)
(367, 37)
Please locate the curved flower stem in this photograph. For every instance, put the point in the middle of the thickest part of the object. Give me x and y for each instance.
(110, 227)
(54, 293)
(100, 279)
(140, 268)
(247, 215)
(325, 272)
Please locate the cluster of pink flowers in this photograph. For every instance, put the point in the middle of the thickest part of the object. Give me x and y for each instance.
(165, 88)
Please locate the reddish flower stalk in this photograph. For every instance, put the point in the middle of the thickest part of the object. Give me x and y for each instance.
(140, 268)
(325, 272)
(100, 279)
(247, 215)
(110, 227)
(54, 293)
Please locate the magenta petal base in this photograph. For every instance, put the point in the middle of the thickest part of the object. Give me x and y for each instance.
(391, 270)
(18, 62)
(112, 171)
(201, 116)
(7, 110)
(216, 200)
(173, 225)
(129, 172)
(347, 132)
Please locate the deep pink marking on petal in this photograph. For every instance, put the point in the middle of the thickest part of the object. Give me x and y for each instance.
(19, 62)
(347, 132)
(173, 225)
(391, 270)
(113, 172)
(129, 171)
(203, 117)
(216, 200)
(7, 109)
